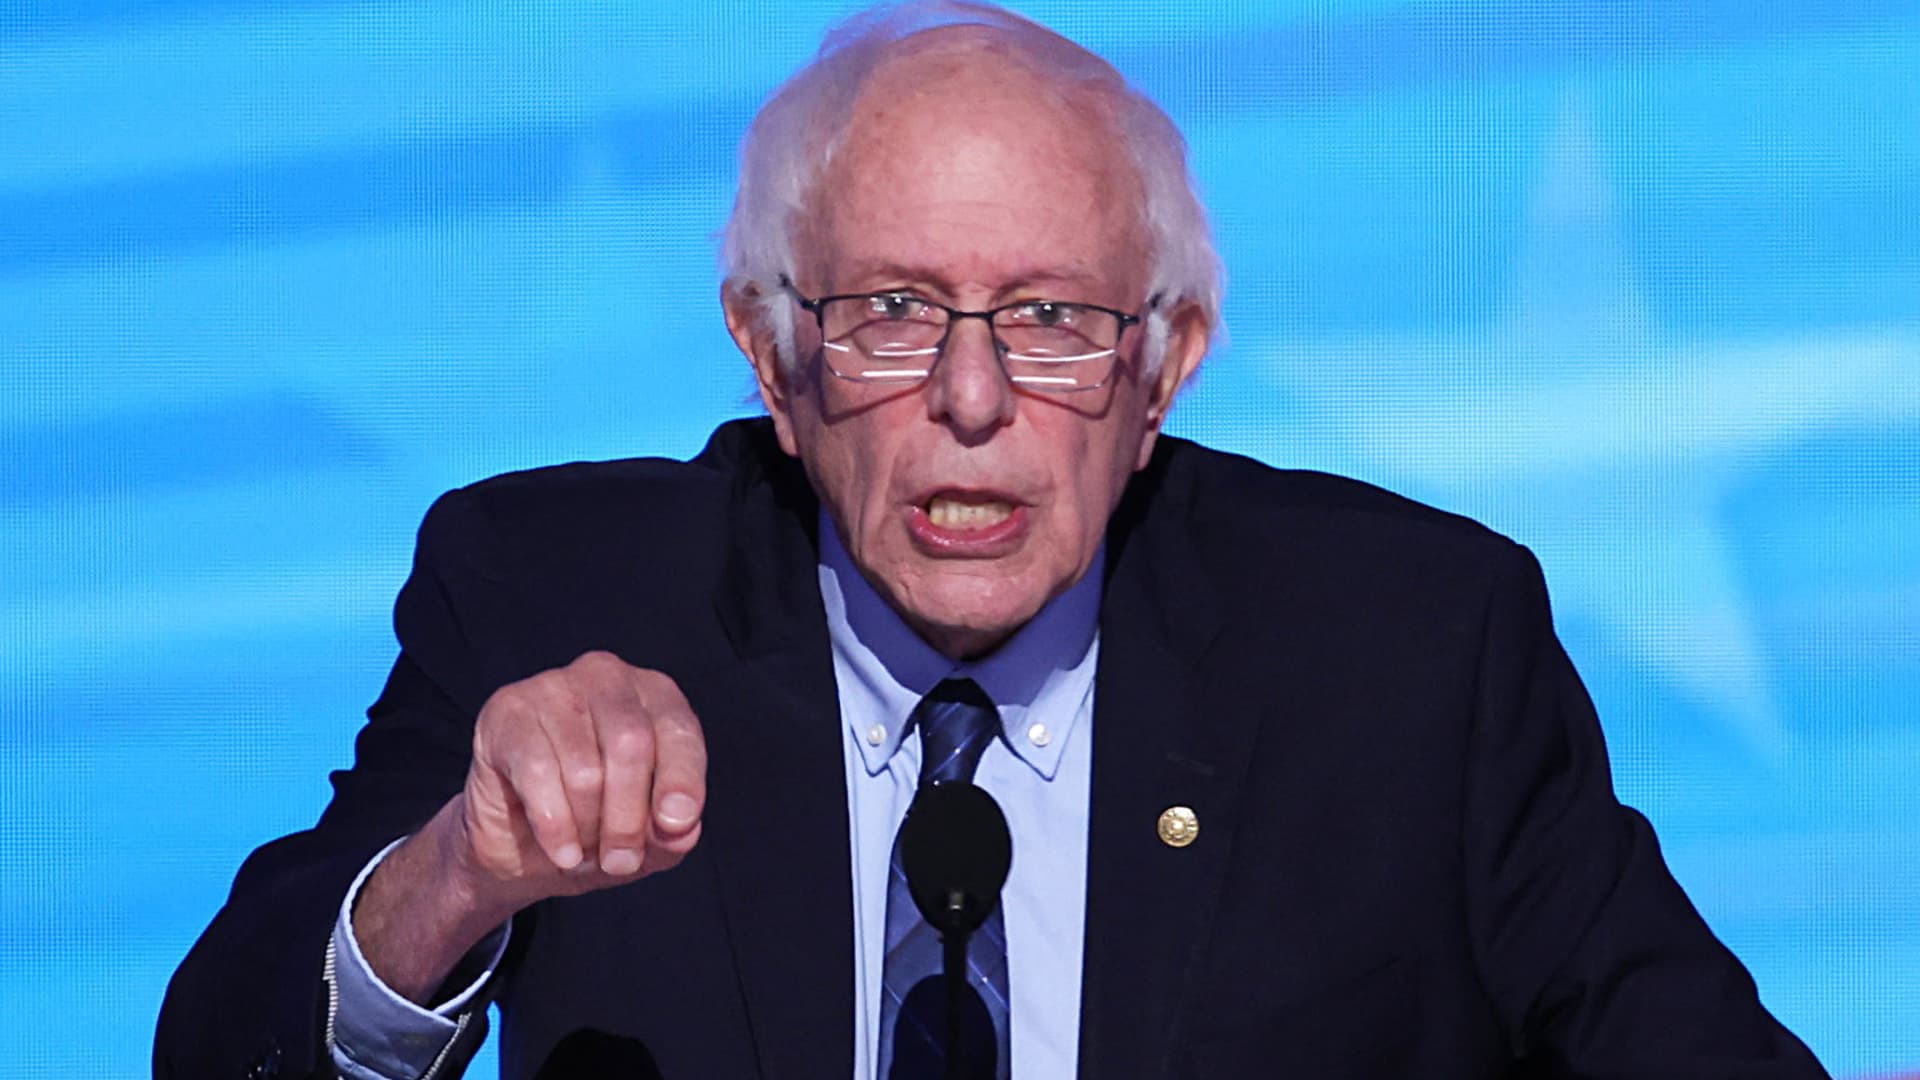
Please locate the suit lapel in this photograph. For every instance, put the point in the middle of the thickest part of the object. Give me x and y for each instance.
(776, 829)
(776, 825)
(1158, 744)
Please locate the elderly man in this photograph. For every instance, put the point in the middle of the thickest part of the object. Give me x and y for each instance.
(1299, 781)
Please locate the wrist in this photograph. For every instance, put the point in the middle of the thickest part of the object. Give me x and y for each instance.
(476, 899)
(422, 909)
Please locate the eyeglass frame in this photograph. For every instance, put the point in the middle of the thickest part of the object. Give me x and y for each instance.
(816, 306)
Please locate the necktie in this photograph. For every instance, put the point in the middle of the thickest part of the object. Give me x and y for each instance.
(956, 720)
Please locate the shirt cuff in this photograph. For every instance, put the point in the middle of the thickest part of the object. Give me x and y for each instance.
(374, 1033)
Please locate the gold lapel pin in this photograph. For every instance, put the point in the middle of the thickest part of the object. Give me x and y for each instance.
(1179, 825)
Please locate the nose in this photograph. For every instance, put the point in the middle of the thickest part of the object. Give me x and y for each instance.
(968, 389)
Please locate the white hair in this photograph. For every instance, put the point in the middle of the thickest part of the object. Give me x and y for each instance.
(798, 131)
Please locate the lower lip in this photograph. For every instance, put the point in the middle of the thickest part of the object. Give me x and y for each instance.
(995, 539)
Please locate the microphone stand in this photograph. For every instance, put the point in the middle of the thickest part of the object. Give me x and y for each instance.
(956, 851)
(953, 947)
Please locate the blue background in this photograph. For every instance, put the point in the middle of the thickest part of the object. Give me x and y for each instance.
(1637, 283)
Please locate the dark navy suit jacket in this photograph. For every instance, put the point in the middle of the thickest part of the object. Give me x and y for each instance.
(1410, 861)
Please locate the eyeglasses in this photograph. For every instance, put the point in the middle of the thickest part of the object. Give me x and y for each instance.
(897, 337)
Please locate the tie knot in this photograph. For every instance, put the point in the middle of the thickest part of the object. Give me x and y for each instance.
(956, 720)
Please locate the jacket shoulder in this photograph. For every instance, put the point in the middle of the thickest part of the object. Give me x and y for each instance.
(1229, 495)
(644, 500)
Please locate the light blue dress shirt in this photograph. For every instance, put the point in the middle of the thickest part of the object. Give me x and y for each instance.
(1039, 771)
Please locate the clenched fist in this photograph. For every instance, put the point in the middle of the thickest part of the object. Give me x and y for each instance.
(584, 776)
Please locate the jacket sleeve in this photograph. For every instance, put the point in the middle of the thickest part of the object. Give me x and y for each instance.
(1599, 964)
(250, 999)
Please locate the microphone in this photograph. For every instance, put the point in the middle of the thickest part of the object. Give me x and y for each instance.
(591, 1054)
(955, 850)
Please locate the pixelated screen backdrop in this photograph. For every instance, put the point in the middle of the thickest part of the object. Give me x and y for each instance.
(1637, 283)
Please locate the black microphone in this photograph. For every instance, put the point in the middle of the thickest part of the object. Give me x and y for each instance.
(955, 850)
(591, 1054)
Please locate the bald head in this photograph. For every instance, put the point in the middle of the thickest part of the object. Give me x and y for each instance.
(960, 61)
(963, 126)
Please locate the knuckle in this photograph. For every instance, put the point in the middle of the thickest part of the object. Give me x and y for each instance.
(656, 686)
(633, 743)
(586, 776)
(539, 685)
(534, 770)
(542, 697)
(595, 661)
(503, 704)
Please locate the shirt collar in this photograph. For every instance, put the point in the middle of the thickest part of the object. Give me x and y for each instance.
(1040, 679)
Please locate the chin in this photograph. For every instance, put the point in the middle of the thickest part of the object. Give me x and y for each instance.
(961, 622)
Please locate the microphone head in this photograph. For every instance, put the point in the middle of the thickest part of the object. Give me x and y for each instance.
(956, 851)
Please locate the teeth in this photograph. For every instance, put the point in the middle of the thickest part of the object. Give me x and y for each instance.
(951, 514)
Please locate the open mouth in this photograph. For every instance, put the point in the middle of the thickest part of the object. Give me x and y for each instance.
(957, 514)
(975, 524)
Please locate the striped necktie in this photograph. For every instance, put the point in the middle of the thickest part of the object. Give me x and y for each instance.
(956, 720)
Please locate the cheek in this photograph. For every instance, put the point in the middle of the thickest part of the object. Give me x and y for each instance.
(1097, 459)
(1112, 460)
(847, 466)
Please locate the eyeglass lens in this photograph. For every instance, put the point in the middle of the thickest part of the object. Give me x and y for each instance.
(1043, 344)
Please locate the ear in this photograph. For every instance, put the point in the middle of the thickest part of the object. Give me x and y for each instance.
(747, 322)
(1188, 333)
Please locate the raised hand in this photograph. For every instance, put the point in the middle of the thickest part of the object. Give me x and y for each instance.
(583, 777)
